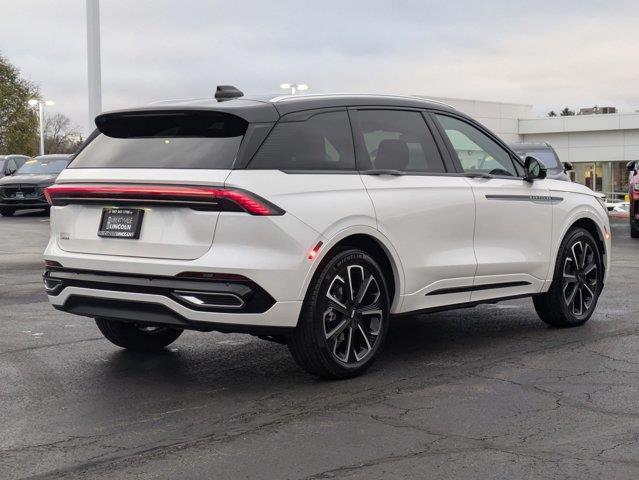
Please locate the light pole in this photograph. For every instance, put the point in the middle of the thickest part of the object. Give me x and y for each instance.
(93, 60)
(41, 104)
(295, 87)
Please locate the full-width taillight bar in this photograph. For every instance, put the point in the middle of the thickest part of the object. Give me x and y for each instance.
(195, 197)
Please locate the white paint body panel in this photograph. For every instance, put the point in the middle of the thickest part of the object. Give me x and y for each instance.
(172, 233)
(439, 232)
(430, 221)
(512, 235)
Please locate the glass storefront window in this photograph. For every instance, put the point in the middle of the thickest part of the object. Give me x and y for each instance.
(610, 178)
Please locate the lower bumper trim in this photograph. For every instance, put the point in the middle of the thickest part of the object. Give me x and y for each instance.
(155, 314)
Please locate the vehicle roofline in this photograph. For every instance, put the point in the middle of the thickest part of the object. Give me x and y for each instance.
(282, 98)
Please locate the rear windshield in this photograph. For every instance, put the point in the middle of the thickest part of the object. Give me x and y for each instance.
(196, 140)
(43, 166)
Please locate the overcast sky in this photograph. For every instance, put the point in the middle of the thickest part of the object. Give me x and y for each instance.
(546, 53)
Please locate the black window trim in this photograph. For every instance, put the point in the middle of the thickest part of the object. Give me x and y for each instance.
(300, 116)
(359, 147)
(455, 159)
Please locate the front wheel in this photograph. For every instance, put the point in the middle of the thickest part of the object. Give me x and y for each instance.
(134, 336)
(634, 230)
(577, 282)
(344, 318)
(7, 212)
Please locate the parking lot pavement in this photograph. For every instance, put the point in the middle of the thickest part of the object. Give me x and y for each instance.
(488, 392)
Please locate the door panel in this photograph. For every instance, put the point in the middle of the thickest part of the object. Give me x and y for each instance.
(430, 221)
(513, 226)
(428, 215)
(512, 236)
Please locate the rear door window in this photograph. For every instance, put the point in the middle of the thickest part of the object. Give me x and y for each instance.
(192, 140)
(322, 142)
(397, 140)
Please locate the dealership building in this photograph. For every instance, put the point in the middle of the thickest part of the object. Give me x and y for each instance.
(598, 145)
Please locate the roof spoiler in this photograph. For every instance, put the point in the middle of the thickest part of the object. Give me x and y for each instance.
(227, 92)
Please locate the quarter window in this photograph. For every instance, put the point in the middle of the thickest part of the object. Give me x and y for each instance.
(323, 142)
(477, 152)
(397, 140)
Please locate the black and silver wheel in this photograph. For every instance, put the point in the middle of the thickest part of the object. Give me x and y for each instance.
(577, 282)
(134, 336)
(7, 211)
(344, 318)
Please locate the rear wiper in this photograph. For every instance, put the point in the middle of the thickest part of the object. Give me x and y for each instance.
(383, 171)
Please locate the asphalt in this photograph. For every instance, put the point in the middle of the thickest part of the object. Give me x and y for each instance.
(489, 392)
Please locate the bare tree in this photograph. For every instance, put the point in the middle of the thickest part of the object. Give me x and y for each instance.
(60, 136)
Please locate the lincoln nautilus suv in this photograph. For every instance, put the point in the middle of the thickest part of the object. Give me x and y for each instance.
(311, 220)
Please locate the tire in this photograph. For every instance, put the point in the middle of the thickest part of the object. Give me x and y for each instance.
(573, 294)
(7, 212)
(634, 230)
(137, 336)
(337, 337)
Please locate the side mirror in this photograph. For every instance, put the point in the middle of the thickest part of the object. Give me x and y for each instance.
(632, 167)
(535, 170)
(11, 171)
(568, 166)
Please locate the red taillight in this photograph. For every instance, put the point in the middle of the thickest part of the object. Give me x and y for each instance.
(206, 198)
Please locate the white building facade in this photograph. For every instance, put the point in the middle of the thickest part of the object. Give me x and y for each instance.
(598, 146)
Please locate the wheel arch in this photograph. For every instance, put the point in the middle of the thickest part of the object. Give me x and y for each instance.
(592, 225)
(376, 245)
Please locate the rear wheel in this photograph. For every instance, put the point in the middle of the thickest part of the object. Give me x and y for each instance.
(634, 229)
(7, 212)
(344, 318)
(577, 282)
(134, 336)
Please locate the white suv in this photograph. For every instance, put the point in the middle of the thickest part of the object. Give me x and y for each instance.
(311, 220)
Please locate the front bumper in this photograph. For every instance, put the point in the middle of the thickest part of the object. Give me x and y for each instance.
(227, 306)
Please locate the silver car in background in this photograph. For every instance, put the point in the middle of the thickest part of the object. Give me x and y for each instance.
(9, 164)
(546, 155)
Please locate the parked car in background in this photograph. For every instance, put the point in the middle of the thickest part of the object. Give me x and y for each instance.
(310, 220)
(620, 210)
(546, 155)
(25, 188)
(633, 197)
(9, 164)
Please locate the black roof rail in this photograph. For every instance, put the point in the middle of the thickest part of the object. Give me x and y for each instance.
(227, 92)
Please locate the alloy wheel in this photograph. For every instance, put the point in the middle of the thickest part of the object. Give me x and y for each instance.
(352, 315)
(580, 278)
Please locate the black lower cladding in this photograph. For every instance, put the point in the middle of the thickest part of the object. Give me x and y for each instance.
(254, 298)
(155, 314)
(474, 288)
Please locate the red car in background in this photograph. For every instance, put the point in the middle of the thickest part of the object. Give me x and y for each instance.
(633, 197)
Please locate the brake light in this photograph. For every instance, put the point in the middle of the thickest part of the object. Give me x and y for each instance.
(196, 197)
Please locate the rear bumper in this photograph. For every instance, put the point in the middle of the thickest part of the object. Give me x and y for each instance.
(24, 203)
(171, 301)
